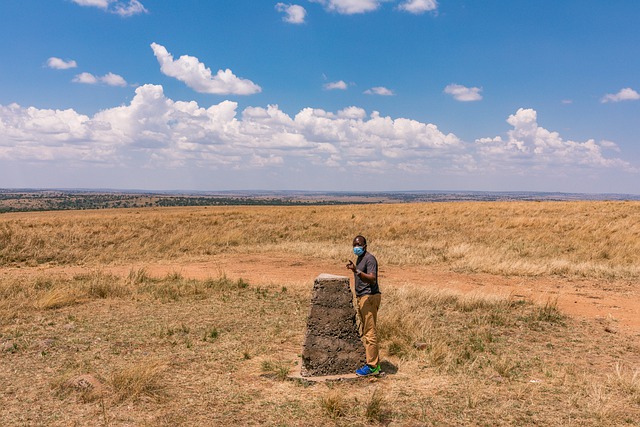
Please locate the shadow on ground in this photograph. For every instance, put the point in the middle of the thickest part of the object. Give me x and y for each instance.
(388, 367)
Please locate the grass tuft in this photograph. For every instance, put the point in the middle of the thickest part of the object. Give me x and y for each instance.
(211, 335)
(548, 312)
(333, 404)
(138, 276)
(57, 298)
(279, 369)
(375, 410)
(141, 380)
(102, 286)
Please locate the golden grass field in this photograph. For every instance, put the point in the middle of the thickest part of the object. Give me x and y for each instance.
(196, 316)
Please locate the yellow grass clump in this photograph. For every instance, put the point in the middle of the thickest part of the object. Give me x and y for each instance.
(140, 380)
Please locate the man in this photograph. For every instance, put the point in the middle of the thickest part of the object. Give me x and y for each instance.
(365, 273)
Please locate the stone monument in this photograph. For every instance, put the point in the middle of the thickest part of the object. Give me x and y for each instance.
(332, 344)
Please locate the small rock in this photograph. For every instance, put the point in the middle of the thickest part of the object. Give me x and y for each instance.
(420, 345)
(90, 387)
(9, 346)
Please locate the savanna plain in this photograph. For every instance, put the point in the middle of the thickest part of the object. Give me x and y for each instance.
(493, 314)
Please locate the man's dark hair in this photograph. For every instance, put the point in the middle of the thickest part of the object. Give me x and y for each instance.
(359, 236)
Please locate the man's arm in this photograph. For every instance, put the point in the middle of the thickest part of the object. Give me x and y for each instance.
(365, 277)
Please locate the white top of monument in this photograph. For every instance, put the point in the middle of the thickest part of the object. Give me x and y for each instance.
(325, 276)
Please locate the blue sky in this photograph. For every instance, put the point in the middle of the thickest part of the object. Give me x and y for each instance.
(353, 95)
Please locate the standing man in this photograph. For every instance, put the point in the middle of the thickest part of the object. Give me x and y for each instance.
(365, 273)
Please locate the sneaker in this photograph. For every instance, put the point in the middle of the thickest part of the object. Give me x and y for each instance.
(367, 370)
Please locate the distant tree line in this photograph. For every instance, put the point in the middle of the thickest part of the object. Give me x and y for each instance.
(27, 202)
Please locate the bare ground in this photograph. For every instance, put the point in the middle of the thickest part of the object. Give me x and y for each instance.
(612, 302)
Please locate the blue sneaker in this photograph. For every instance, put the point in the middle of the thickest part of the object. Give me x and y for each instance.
(367, 370)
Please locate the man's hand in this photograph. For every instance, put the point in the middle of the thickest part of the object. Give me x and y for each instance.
(351, 266)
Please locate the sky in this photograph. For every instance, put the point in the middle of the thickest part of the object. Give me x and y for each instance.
(321, 95)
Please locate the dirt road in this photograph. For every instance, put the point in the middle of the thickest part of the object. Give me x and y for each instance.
(614, 303)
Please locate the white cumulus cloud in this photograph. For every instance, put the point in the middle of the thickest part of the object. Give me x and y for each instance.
(340, 85)
(350, 7)
(626, 94)
(85, 78)
(154, 129)
(60, 64)
(189, 70)
(418, 6)
(109, 79)
(156, 132)
(379, 90)
(113, 80)
(294, 14)
(102, 4)
(530, 145)
(463, 93)
(118, 7)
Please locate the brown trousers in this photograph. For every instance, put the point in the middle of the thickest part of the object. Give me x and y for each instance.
(368, 308)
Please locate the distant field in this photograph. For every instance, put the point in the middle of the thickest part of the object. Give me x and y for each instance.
(80, 345)
(49, 200)
(582, 239)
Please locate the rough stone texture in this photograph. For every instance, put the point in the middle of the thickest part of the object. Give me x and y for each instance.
(332, 345)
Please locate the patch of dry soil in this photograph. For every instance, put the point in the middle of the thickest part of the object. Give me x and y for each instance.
(614, 303)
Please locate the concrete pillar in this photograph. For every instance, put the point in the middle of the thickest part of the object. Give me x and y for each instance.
(332, 345)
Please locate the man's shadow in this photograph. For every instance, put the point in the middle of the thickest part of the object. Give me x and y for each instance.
(388, 367)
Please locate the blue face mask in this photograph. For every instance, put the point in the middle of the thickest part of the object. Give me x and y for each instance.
(358, 250)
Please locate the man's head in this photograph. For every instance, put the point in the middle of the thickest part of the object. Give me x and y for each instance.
(360, 241)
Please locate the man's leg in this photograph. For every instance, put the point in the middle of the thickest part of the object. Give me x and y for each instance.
(369, 305)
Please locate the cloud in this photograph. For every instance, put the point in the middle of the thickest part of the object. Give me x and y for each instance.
(189, 70)
(85, 78)
(349, 7)
(113, 80)
(60, 64)
(134, 7)
(462, 93)
(418, 6)
(102, 4)
(530, 146)
(626, 94)
(118, 7)
(340, 85)
(294, 14)
(379, 90)
(155, 130)
(109, 79)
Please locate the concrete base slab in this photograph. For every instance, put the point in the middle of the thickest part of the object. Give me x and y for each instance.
(295, 375)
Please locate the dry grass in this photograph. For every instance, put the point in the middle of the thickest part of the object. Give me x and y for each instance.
(578, 239)
(170, 350)
(141, 380)
(217, 352)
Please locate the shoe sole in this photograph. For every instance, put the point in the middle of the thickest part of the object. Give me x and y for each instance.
(372, 374)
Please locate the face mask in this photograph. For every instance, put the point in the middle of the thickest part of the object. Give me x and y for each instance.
(358, 250)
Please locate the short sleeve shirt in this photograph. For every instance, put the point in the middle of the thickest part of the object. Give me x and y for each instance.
(366, 263)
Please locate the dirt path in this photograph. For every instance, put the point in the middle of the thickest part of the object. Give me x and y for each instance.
(615, 303)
